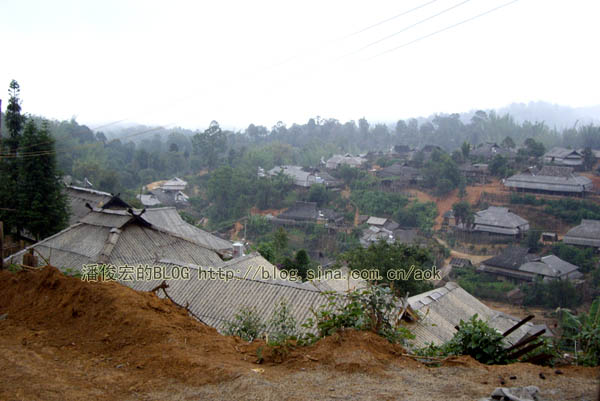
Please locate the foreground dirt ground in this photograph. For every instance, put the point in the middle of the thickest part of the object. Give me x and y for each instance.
(63, 339)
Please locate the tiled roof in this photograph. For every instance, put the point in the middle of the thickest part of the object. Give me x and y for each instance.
(117, 237)
(376, 221)
(217, 301)
(499, 220)
(587, 233)
(443, 308)
(562, 152)
(169, 219)
(78, 197)
(301, 211)
(510, 258)
(550, 178)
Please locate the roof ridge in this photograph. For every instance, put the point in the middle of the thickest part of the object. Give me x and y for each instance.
(22, 251)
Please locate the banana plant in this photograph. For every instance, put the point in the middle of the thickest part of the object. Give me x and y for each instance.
(584, 330)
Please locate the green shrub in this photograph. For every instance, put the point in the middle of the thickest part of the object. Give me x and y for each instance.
(282, 325)
(373, 309)
(474, 338)
(246, 324)
(582, 333)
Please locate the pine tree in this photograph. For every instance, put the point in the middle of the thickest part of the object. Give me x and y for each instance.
(9, 171)
(42, 205)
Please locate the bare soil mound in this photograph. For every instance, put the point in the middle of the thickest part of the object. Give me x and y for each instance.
(352, 351)
(108, 320)
(64, 339)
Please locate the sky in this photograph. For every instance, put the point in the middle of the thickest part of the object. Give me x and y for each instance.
(186, 63)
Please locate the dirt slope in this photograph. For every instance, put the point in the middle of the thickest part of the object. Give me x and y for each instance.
(445, 203)
(64, 339)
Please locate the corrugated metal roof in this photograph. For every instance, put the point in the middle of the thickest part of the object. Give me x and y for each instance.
(376, 221)
(562, 152)
(570, 183)
(587, 233)
(443, 308)
(106, 218)
(134, 243)
(169, 219)
(216, 302)
(78, 197)
(499, 220)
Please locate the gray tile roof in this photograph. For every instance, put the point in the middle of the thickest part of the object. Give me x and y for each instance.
(169, 219)
(587, 234)
(510, 258)
(500, 220)
(297, 173)
(550, 178)
(376, 221)
(562, 152)
(563, 156)
(551, 266)
(443, 308)
(217, 301)
(78, 197)
(490, 149)
(116, 237)
(301, 211)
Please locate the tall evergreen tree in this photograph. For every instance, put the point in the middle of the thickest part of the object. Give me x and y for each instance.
(9, 171)
(42, 205)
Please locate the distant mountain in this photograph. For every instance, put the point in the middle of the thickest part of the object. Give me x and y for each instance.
(553, 114)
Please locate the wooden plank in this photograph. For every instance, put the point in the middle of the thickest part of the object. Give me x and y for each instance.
(526, 340)
(538, 359)
(516, 326)
(1, 245)
(525, 350)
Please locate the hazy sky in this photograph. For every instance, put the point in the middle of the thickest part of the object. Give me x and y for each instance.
(186, 63)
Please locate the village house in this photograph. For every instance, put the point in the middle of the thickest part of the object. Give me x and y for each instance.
(474, 173)
(175, 184)
(384, 229)
(500, 221)
(167, 193)
(585, 234)
(442, 309)
(382, 222)
(564, 157)
(336, 160)
(168, 218)
(299, 176)
(550, 180)
(375, 234)
(431, 316)
(402, 152)
(307, 212)
(488, 150)
(117, 237)
(323, 177)
(78, 198)
(399, 176)
(517, 264)
(425, 153)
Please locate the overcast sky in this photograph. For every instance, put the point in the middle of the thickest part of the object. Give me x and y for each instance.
(186, 63)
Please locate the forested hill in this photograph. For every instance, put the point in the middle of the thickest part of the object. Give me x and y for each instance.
(145, 154)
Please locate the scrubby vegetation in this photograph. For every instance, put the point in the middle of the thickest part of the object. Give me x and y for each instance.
(374, 309)
(570, 210)
(482, 285)
(474, 338)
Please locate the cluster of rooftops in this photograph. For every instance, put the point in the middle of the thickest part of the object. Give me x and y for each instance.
(112, 233)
